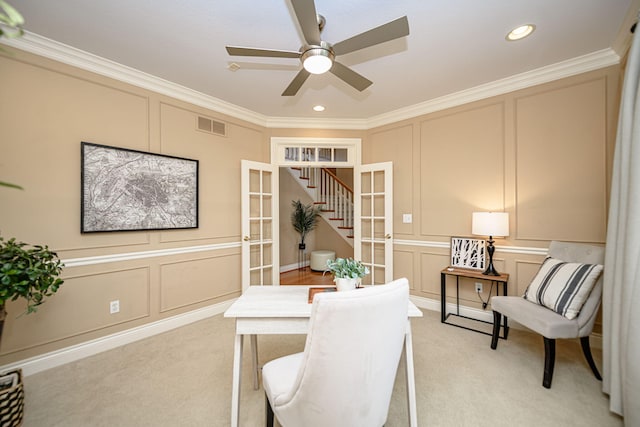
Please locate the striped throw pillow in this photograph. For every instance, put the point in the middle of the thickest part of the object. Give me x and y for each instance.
(563, 286)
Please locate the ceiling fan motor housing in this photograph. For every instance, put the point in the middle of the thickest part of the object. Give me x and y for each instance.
(317, 59)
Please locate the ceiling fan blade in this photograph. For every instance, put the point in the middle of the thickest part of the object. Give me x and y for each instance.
(351, 77)
(308, 20)
(389, 31)
(271, 53)
(296, 83)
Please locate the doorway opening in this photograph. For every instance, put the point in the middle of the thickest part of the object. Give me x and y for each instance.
(261, 217)
(330, 190)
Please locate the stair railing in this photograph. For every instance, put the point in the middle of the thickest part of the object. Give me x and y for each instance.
(333, 194)
(338, 197)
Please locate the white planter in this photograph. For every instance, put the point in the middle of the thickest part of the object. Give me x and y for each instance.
(345, 284)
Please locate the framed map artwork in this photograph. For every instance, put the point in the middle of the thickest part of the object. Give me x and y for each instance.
(468, 253)
(129, 190)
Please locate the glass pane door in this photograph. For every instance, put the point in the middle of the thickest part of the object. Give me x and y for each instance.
(260, 256)
(374, 221)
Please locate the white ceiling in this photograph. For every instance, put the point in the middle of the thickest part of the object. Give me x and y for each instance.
(453, 46)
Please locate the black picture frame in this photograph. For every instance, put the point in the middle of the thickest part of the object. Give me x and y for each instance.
(130, 190)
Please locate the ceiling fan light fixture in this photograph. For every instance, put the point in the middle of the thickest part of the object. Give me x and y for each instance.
(520, 32)
(317, 60)
(317, 56)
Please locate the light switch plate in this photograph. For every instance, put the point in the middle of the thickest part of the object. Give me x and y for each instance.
(407, 218)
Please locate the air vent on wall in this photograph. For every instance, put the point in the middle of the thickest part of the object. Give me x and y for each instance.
(208, 125)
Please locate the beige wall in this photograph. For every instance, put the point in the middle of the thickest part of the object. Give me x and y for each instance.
(542, 154)
(46, 110)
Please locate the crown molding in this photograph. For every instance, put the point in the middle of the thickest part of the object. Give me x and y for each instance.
(622, 42)
(582, 64)
(42, 46)
(308, 123)
(52, 49)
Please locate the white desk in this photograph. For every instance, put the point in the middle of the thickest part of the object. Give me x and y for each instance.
(285, 310)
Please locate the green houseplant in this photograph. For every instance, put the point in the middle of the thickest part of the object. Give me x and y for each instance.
(29, 272)
(304, 218)
(347, 272)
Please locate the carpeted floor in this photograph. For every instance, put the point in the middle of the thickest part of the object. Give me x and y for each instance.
(183, 378)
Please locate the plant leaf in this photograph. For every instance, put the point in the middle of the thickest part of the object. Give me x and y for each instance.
(15, 18)
(8, 184)
(28, 272)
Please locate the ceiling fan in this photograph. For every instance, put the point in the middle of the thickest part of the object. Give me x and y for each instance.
(318, 56)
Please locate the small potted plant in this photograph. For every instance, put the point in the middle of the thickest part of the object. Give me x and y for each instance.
(29, 272)
(347, 272)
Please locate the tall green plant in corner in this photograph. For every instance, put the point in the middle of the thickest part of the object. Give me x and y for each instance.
(304, 218)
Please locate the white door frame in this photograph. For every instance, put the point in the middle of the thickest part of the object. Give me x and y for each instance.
(344, 153)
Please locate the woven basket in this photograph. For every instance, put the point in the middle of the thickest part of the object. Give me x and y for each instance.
(12, 402)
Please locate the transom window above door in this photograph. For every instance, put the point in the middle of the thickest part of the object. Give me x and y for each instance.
(326, 152)
(315, 154)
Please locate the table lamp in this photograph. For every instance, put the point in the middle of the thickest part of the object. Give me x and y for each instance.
(490, 224)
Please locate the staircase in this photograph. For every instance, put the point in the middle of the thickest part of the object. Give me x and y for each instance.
(332, 195)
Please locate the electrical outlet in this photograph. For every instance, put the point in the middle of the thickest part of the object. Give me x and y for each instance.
(478, 287)
(114, 306)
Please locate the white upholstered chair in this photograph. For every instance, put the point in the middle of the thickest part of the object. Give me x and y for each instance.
(346, 373)
(546, 321)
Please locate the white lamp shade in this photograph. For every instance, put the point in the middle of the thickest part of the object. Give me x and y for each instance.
(490, 224)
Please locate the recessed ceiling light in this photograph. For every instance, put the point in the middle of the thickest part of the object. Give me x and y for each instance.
(318, 108)
(520, 32)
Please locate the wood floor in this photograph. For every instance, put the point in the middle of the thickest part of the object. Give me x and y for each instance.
(305, 276)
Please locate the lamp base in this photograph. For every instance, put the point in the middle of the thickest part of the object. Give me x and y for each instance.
(490, 270)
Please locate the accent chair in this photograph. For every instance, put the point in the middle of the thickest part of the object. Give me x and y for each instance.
(562, 301)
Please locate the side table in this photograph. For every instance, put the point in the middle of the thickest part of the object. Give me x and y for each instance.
(502, 279)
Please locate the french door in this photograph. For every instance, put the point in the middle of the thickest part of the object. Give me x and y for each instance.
(373, 228)
(373, 207)
(260, 231)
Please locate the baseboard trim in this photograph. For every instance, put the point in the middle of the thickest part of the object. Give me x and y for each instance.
(70, 354)
(291, 267)
(434, 305)
(73, 353)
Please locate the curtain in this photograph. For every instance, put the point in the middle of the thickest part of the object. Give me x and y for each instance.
(621, 295)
